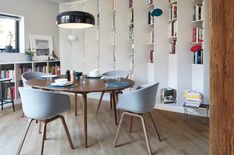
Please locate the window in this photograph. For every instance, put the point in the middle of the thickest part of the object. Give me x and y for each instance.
(9, 33)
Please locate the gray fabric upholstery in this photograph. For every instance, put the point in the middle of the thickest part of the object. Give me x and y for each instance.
(41, 105)
(115, 74)
(141, 100)
(30, 75)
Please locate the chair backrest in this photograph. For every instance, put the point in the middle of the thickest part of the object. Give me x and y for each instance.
(141, 100)
(31, 75)
(117, 73)
(41, 105)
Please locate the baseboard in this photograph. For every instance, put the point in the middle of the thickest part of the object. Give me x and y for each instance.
(179, 109)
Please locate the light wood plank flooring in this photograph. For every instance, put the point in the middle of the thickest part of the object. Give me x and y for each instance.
(179, 137)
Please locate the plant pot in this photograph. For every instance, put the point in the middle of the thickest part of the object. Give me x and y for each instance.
(8, 49)
(29, 58)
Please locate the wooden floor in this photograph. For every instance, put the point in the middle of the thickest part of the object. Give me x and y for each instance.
(179, 137)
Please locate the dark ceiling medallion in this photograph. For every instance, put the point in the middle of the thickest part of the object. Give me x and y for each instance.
(75, 20)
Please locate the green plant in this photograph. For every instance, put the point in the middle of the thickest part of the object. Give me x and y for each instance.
(10, 38)
(29, 52)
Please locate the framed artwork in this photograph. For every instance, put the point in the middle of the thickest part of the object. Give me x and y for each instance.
(42, 45)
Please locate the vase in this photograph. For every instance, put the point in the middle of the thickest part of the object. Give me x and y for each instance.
(29, 58)
(8, 49)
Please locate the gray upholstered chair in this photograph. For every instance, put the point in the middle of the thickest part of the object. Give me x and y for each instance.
(112, 75)
(45, 107)
(30, 75)
(136, 103)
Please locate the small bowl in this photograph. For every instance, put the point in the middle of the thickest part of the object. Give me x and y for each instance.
(61, 81)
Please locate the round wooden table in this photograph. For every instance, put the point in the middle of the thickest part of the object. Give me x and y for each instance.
(84, 87)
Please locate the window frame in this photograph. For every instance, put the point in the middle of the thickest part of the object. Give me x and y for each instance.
(17, 29)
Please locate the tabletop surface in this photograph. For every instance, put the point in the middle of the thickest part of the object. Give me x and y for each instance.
(86, 86)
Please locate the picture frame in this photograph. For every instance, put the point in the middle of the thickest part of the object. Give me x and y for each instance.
(42, 45)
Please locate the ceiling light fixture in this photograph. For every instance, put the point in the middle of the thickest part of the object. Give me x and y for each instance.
(75, 20)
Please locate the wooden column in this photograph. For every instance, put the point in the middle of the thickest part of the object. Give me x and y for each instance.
(222, 77)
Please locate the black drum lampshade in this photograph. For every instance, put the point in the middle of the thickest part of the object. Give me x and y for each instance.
(75, 20)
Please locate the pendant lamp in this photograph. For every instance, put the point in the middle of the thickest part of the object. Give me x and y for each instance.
(75, 20)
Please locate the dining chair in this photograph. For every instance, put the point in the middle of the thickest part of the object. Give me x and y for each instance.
(111, 75)
(27, 76)
(45, 107)
(135, 104)
(30, 75)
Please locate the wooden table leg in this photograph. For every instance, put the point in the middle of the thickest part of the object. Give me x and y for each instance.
(76, 104)
(114, 105)
(85, 120)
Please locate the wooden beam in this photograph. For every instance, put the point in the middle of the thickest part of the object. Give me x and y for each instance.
(222, 77)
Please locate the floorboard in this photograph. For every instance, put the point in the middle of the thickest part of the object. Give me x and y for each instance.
(179, 136)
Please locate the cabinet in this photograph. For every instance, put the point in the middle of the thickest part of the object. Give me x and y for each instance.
(14, 70)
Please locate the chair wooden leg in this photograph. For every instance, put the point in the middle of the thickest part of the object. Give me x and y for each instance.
(12, 100)
(111, 103)
(39, 126)
(100, 102)
(117, 97)
(23, 139)
(76, 104)
(67, 132)
(117, 133)
(43, 137)
(146, 136)
(155, 128)
(131, 122)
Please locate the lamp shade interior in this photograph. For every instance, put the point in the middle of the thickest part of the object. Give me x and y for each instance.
(75, 20)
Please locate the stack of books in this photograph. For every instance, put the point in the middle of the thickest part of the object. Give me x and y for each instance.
(193, 98)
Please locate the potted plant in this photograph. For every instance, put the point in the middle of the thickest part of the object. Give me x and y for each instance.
(10, 39)
(29, 54)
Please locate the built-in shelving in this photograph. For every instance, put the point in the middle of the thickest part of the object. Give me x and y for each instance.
(14, 70)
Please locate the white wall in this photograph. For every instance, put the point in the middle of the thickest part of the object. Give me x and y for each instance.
(39, 17)
(171, 70)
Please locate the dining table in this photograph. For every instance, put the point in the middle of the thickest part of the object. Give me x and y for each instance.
(84, 87)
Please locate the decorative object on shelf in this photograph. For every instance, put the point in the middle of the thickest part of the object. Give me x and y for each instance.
(29, 54)
(42, 45)
(168, 95)
(198, 54)
(156, 12)
(10, 39)
(71, 37)
(52, 56)
(75, 20)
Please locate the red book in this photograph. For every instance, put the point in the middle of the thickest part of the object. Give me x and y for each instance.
(194, 35)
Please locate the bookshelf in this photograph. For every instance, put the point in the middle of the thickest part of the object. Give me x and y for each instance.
(198, 31)
(173, 24)
(199, 44)
(131, 37)
(114, 33)
(150, 43)
(14, 70)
